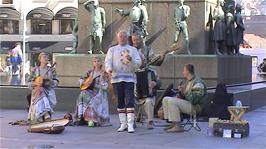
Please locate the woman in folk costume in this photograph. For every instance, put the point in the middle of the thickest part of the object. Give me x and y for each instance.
(42, 82)
(92, 103)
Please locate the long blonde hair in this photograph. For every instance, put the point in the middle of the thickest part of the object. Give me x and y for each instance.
(99, 59)
(40, 56)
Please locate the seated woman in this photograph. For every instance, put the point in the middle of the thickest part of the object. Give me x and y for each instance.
(92, 104)
(42, 81)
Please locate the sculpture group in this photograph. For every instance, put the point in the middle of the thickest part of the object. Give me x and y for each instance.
(227, 35)
(227, 38)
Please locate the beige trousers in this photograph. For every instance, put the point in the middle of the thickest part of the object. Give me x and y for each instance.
(149, 108)
(173, 107)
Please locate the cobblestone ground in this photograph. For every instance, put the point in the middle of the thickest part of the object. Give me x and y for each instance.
(107, 137)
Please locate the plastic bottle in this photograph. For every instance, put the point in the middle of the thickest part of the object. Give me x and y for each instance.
(210, 131)
(238, 103)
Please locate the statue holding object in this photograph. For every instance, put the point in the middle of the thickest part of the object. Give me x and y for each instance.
(181, 14)
(97, 25)
(138, 17)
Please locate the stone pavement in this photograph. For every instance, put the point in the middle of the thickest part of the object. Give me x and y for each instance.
(107, 137)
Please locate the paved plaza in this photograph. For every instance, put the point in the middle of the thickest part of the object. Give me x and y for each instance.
(107, 137)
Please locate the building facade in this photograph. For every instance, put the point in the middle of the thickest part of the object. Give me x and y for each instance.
(48, 23)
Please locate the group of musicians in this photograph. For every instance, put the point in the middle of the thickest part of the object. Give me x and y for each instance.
(122, 61)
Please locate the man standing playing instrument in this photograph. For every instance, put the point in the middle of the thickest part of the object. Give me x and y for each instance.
(146, 99)
(146, 53)
(192, 95)
(121, 62)
(181, 13)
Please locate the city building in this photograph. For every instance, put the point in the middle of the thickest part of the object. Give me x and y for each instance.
(48, 24)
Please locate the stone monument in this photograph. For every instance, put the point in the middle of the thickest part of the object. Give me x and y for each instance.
(161, 27)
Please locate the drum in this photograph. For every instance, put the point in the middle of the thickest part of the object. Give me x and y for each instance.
(52, 127)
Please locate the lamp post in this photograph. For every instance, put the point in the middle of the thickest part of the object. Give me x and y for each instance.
(24, 41)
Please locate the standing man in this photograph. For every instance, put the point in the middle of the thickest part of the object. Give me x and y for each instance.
(181, 13)
(148, 57)
(121, 62)
(97, 25)
(193, 93)
(138, 16)
(147, 54)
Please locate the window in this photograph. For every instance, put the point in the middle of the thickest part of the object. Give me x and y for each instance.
(9, 27)
(7, 1)
(66, 17)
(66, 26)
(41, 26)
(41, 20)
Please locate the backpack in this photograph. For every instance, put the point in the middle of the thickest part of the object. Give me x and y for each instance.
(220, 102)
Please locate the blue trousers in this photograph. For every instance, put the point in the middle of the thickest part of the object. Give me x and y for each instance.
(124, 92)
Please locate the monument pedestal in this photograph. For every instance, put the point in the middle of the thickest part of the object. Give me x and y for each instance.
(212, 69)
(70, 67)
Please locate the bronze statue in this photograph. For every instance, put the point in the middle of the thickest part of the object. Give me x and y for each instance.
(240, 28)
(138, 16)
(230, 30)
(181, 13)
(97, 25)
(75, 37)
(219, 33)
(227, 4)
